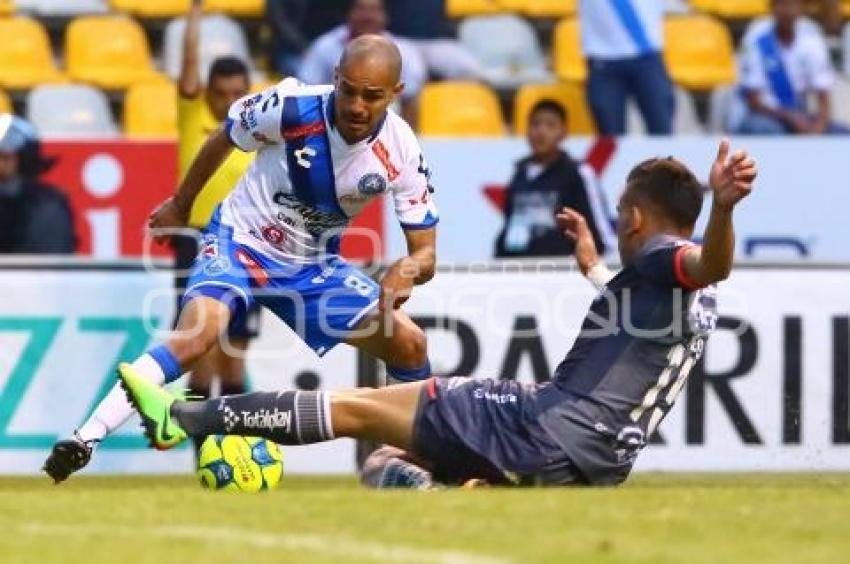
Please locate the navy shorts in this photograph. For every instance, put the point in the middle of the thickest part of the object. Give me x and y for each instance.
(483, 428)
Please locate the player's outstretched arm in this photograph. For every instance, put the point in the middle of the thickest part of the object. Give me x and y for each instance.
(731, 181)
(574, 226)
(174, 212)
(189, 83)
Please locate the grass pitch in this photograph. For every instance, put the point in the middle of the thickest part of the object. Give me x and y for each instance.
(653, 519)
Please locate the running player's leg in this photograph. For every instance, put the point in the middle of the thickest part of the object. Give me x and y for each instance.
(200, 324)
(397, 340)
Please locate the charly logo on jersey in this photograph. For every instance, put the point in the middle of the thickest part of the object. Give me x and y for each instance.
(372, 184)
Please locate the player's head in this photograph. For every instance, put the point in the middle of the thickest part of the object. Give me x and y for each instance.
(661, 196)
(786, 13)
(367, 80)
(547, 128)
(366, 16)
(228, 82)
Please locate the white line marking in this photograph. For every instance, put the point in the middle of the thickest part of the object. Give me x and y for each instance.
(330, 545)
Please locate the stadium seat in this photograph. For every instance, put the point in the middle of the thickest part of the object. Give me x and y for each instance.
(70, 110)
(237, 8)
(25, 55)
(841, 100)
(464, 8)
(460, 109)
(685, 122)
(152, 8)
(174, 8)
(733, 9)
(698, 51)
(220, 36)
(570, 94)
(62, 8)
(515, 59)
(542, 8)
(7, 7)
(150, 110)
(5, 103)
(111, 52)
(568, 56)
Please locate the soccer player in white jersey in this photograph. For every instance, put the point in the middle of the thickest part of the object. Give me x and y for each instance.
(323, 153)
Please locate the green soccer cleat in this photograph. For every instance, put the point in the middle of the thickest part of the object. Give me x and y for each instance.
(154, 406)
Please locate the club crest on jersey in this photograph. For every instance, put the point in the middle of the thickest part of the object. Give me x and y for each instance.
(372, 184)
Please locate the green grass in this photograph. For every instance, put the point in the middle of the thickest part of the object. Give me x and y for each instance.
(654, 519)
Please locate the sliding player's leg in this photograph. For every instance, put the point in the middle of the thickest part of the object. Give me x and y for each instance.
(384, 415)
(201, 323)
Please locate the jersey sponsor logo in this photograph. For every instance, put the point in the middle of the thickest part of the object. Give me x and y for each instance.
(273, 234)
(372, 184)
(423, 199)
(384, 156)
(315, 222)
(261, 137)
(314, 128)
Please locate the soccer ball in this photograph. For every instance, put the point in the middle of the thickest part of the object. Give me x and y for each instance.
(240, 464)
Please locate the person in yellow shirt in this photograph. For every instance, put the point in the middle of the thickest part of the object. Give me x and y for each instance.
(200, 113)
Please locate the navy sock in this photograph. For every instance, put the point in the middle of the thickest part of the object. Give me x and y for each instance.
(287, 418)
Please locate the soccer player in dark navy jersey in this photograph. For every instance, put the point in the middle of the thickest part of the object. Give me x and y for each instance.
(644, 332)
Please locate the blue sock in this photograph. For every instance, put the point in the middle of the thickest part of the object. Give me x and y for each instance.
(410, 374)
(166, 360)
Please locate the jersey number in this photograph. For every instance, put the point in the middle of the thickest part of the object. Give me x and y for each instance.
(358, 285)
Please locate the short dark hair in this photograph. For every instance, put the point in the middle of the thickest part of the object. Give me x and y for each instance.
(550, 106)
(669, 187)
(227, 67)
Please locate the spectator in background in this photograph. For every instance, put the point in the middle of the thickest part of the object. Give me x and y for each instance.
(35, 218)
(785, 60)
(622, 42)
(544, 183)
(201, 110)
(296, 23)
(365, 17)
(425, 23)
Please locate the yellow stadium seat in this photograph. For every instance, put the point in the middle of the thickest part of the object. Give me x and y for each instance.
(570, 94)
(150, 110)
(569, 59)
(698, 51)
(111, 52)
(733, 9)
(845, 8)
(239, 8)
(25, 56)
(7, 7)
(174, 8)
(542, 8)
(5, 103)
(463, 8)
(152, 8)
(460, 109)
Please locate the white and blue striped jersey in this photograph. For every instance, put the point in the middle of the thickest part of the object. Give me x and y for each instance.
(621, 29)
(307, 182)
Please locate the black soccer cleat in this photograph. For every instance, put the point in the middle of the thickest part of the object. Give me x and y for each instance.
(68, 457)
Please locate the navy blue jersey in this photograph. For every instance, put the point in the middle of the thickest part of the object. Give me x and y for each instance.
(642, 336)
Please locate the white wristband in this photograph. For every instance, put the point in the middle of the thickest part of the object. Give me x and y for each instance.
(599, 275)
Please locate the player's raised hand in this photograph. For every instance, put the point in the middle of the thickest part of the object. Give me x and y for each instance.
(732, 176)
(574, 226)
(166, 218)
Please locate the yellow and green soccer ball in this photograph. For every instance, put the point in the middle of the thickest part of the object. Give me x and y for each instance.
(239, 464)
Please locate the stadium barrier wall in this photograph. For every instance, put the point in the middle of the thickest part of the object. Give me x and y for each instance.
(772, 395)
(797, 211)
